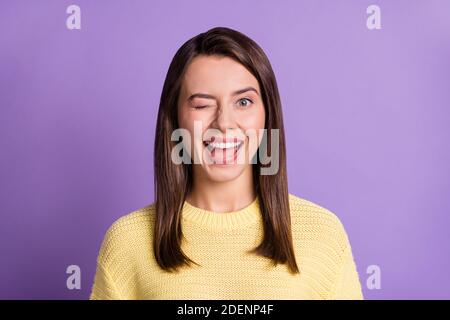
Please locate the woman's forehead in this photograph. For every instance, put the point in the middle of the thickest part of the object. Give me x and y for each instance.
(214, 74)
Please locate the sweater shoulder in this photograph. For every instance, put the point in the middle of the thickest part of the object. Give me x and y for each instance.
(136, 219)
(127, 233)
(305, 209)
(316, 222)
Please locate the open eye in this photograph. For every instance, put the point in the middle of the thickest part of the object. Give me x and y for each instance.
(244, 102)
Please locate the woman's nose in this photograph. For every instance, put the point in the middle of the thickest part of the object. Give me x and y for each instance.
(225, 119)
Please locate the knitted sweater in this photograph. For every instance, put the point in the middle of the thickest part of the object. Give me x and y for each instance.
(127, 269)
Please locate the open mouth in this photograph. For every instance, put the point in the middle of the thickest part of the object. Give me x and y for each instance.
(212, 145)
(223, 151)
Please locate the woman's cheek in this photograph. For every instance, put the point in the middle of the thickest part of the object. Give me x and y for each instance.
(254, 125)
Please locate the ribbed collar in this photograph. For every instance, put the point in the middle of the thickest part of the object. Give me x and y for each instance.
(223, 220)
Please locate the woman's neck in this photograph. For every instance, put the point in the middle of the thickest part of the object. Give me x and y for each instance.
(224, 196)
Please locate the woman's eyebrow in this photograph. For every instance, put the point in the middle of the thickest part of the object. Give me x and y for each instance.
(245, 90)
(208, 96)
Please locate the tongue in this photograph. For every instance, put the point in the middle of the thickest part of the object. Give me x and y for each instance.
(223, 156)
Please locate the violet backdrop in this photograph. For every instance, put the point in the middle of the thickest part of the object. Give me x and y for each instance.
(366, 117)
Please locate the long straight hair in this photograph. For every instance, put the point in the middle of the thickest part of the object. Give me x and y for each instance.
(174, 181)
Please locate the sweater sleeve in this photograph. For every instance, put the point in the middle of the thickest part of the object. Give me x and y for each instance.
(104, 287)
(347, 286)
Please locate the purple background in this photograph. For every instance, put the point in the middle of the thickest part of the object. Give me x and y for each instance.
(366, 117)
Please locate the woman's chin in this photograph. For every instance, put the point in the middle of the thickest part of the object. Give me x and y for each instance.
(223, 172)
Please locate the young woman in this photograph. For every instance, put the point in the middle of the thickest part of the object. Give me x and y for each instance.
(221, 228)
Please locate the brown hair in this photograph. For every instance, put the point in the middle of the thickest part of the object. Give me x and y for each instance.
(174, 181)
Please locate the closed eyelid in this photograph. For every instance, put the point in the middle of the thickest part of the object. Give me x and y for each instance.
(201, 102)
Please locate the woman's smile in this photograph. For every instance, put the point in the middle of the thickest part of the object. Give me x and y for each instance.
(222, 151)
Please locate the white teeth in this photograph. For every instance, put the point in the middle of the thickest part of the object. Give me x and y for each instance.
(223, 145)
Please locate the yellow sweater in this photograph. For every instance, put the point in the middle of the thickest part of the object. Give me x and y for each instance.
(126, 267)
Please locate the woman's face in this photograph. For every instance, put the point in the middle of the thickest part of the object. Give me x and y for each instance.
(222, 100)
